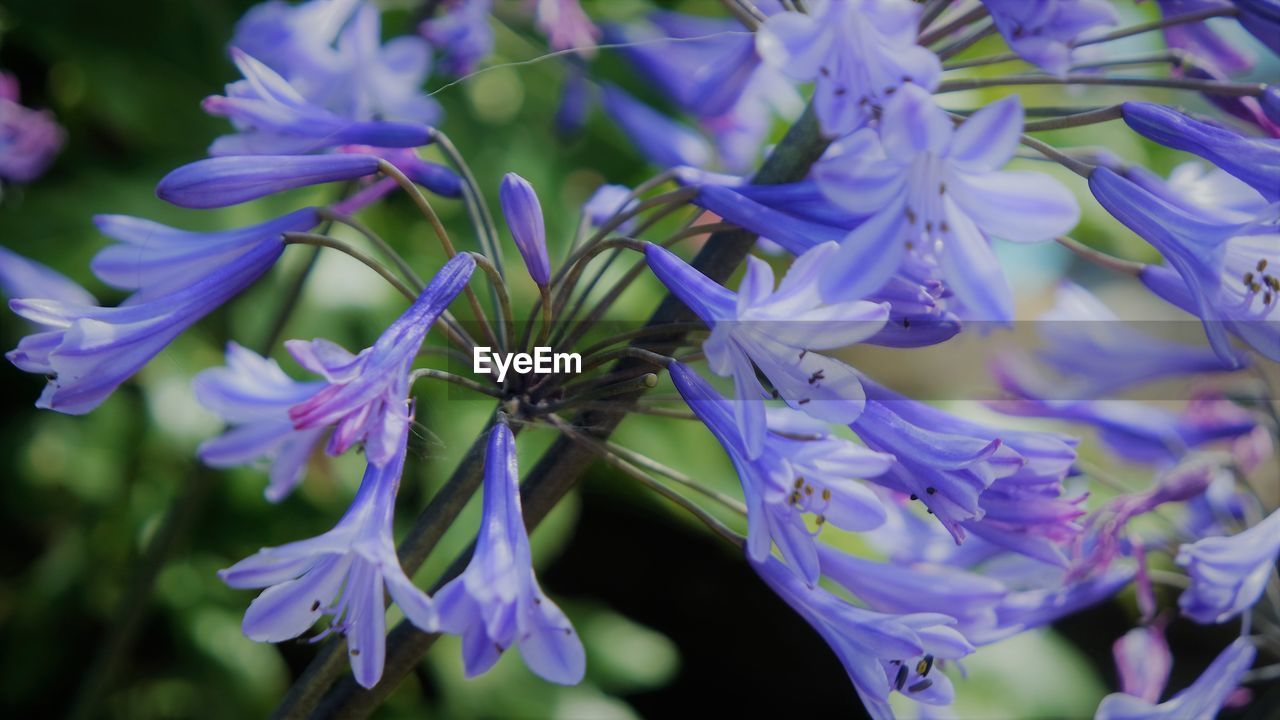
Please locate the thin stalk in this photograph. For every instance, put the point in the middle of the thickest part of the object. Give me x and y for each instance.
(596, 389)
(503, 296)
(967, 41)
(1212, 87)
(548, 314)
(1083, 169)
(424, 206)
(383, 246)
(1101, 259)
(458, 380)
(584, 258)
(1168, 22)
(639, 333)
(932, 36)
(489, 238)
(652, 465)
(605, 453)
(1080, 119)
(932, 11)
(300, 238)
(745, 12)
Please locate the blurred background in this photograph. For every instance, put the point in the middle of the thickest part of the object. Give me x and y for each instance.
(93, 508)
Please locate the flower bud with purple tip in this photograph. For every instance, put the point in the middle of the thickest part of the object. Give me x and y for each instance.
(222, 181)
(523, 212)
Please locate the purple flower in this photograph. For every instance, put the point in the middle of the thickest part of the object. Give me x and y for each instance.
(790, 478)
(659, 139)
(1256, 161)
(1217, 270)
(89, 350)
(463, 32)
(272, 118)
(607, 202)
(778, 332)
(496, 601)
(712, 71)
(156, 260)
(1099, 354)
(567, 26)
(1262, 19)
(222, 181)
(22, 277)
(332, 52)
(1228, 574)
(881, 652)
(339, 574)
(912, 587)
(29, 139)
(523, 212)
(366, 398)
(1143, 662)
(1043, 32)
(1202, 699)
(253, 395)
(1025, 610)
(1135, 431)
(1003, 485)
(1200, 40)
(926, 186)
(858, 51)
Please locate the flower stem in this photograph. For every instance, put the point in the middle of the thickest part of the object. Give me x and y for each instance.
(467, 383)
(383, 246)
(1080, 119)
(1101, 259)
(302, 238)
(1212, 87)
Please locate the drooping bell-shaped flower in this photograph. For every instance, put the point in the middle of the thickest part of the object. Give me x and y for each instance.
(461, 31)
(332, 53)
(1254, 160)
(858, 52)
(222, 181)
(1003, 485)
(1044, 32)
(1222, 271)
(523, 212)
(894, 587)
(1136, 431)
(777, 331)
(881, 652)
(273, 118)
(22, 277)
(29, 139)
(154, 260)
(791, 478)
(88, 351)
(661, 140)
(939, 190)
(340, 574)
(1098, 354)
(1228, 574)
(496, 602)
(367, 394)
(253, 395)
(1204, 698)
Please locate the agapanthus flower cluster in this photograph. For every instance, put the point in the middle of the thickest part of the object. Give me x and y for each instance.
(886, 206)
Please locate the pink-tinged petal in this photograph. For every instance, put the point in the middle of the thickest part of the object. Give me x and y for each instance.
(324, 358)
(1143, 661)
(868, 257)
(988, 139)
(1018, 206)
(973, 272)
(549, 645)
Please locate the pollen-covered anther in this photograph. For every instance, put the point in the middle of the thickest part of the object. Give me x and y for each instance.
(921, 686)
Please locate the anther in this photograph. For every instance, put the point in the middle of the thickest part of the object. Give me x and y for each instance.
(921, 686)
(1248, 278)
(924, 666)
(901, 679)
(315, 606)
(1262, 264)
(931, 490)
(826, 493)
(355, 652)
(799, 483)
(915, 496)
